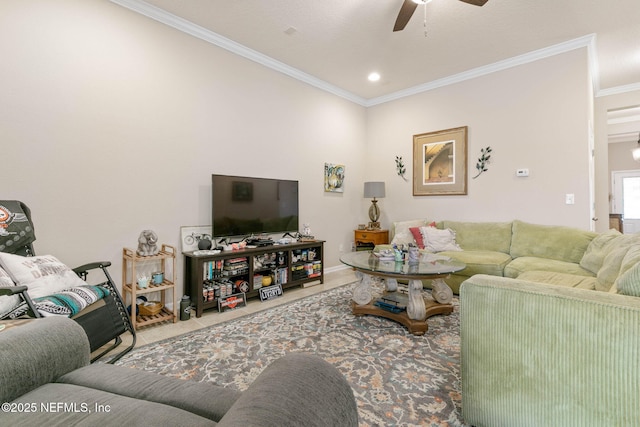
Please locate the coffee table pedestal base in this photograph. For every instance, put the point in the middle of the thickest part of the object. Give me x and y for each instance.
(416, 327)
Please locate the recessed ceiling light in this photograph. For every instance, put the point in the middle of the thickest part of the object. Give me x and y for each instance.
(374, 77)
(421, 1)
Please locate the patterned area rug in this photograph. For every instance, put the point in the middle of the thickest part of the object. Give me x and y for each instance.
(398, 379)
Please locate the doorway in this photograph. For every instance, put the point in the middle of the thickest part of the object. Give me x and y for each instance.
(626, 198)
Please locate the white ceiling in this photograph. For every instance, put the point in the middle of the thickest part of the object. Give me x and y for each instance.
(337, 43)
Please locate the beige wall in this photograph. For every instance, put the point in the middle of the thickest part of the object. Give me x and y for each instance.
(112, 123)
(534, 116)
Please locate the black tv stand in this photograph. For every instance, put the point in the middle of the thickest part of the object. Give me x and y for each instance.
(296, 264)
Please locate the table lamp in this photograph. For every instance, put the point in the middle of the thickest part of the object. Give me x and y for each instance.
(373, 190)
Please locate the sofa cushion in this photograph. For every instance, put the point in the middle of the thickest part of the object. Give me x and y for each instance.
(280, 397)
(482, 236)
(549, 241)
(598, 249)
(37, 352)
(519, 265)
(560, 279)
(480, 262)
(613, 263)
(187, 395)
(76, 405)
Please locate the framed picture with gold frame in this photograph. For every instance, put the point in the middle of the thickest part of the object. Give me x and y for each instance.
(440, 163)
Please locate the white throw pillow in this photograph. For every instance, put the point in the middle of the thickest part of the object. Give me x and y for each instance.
(436, 240)
(402, 234)
(44, 275)
(7, 302)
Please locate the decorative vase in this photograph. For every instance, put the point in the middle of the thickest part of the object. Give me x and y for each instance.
(204, 244)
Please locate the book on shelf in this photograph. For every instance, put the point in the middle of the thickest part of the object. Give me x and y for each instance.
(212, 269)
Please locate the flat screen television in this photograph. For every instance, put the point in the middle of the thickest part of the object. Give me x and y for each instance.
(244, 206)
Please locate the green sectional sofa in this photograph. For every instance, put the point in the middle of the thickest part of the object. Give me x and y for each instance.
(533, 354)
(549, 322)
(557, 255)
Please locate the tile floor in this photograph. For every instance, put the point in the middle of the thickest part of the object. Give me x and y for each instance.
(157, 332)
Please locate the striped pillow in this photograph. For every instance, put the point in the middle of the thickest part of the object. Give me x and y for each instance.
(629, 282)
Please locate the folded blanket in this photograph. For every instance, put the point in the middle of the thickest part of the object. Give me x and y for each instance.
(66, 303)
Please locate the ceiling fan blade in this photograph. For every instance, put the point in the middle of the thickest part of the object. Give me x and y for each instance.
(406, 12)
(476, 2)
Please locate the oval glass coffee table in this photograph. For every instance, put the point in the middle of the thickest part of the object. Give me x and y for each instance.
(411, 309)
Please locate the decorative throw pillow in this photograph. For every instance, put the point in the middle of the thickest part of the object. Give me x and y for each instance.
(7, 302)
(402, 233)
(417, 235)
(628, 280)
(598, 249)
(43, 275)
(613, 263)
(436, 240)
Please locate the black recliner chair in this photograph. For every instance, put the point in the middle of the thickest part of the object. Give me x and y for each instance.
(104, 321)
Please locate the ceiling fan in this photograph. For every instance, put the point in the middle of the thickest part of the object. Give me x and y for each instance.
(409, 6)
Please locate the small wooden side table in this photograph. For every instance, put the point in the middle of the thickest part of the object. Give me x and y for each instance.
(368, 239)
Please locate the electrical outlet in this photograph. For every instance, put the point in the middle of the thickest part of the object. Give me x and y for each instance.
(341, 248)
(570, 199)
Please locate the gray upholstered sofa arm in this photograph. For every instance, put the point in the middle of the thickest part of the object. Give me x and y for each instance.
(47, 360)
(295, 390)
(535, 354)
(37, 352)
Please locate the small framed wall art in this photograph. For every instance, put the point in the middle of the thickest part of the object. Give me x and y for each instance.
(192, 235)
(440, 163)
(333, 178)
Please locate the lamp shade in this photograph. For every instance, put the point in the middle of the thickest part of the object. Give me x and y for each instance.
(373, 190)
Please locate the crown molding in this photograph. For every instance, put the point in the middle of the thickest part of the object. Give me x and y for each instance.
(581, 42)
(197, 31)
(618, 90)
